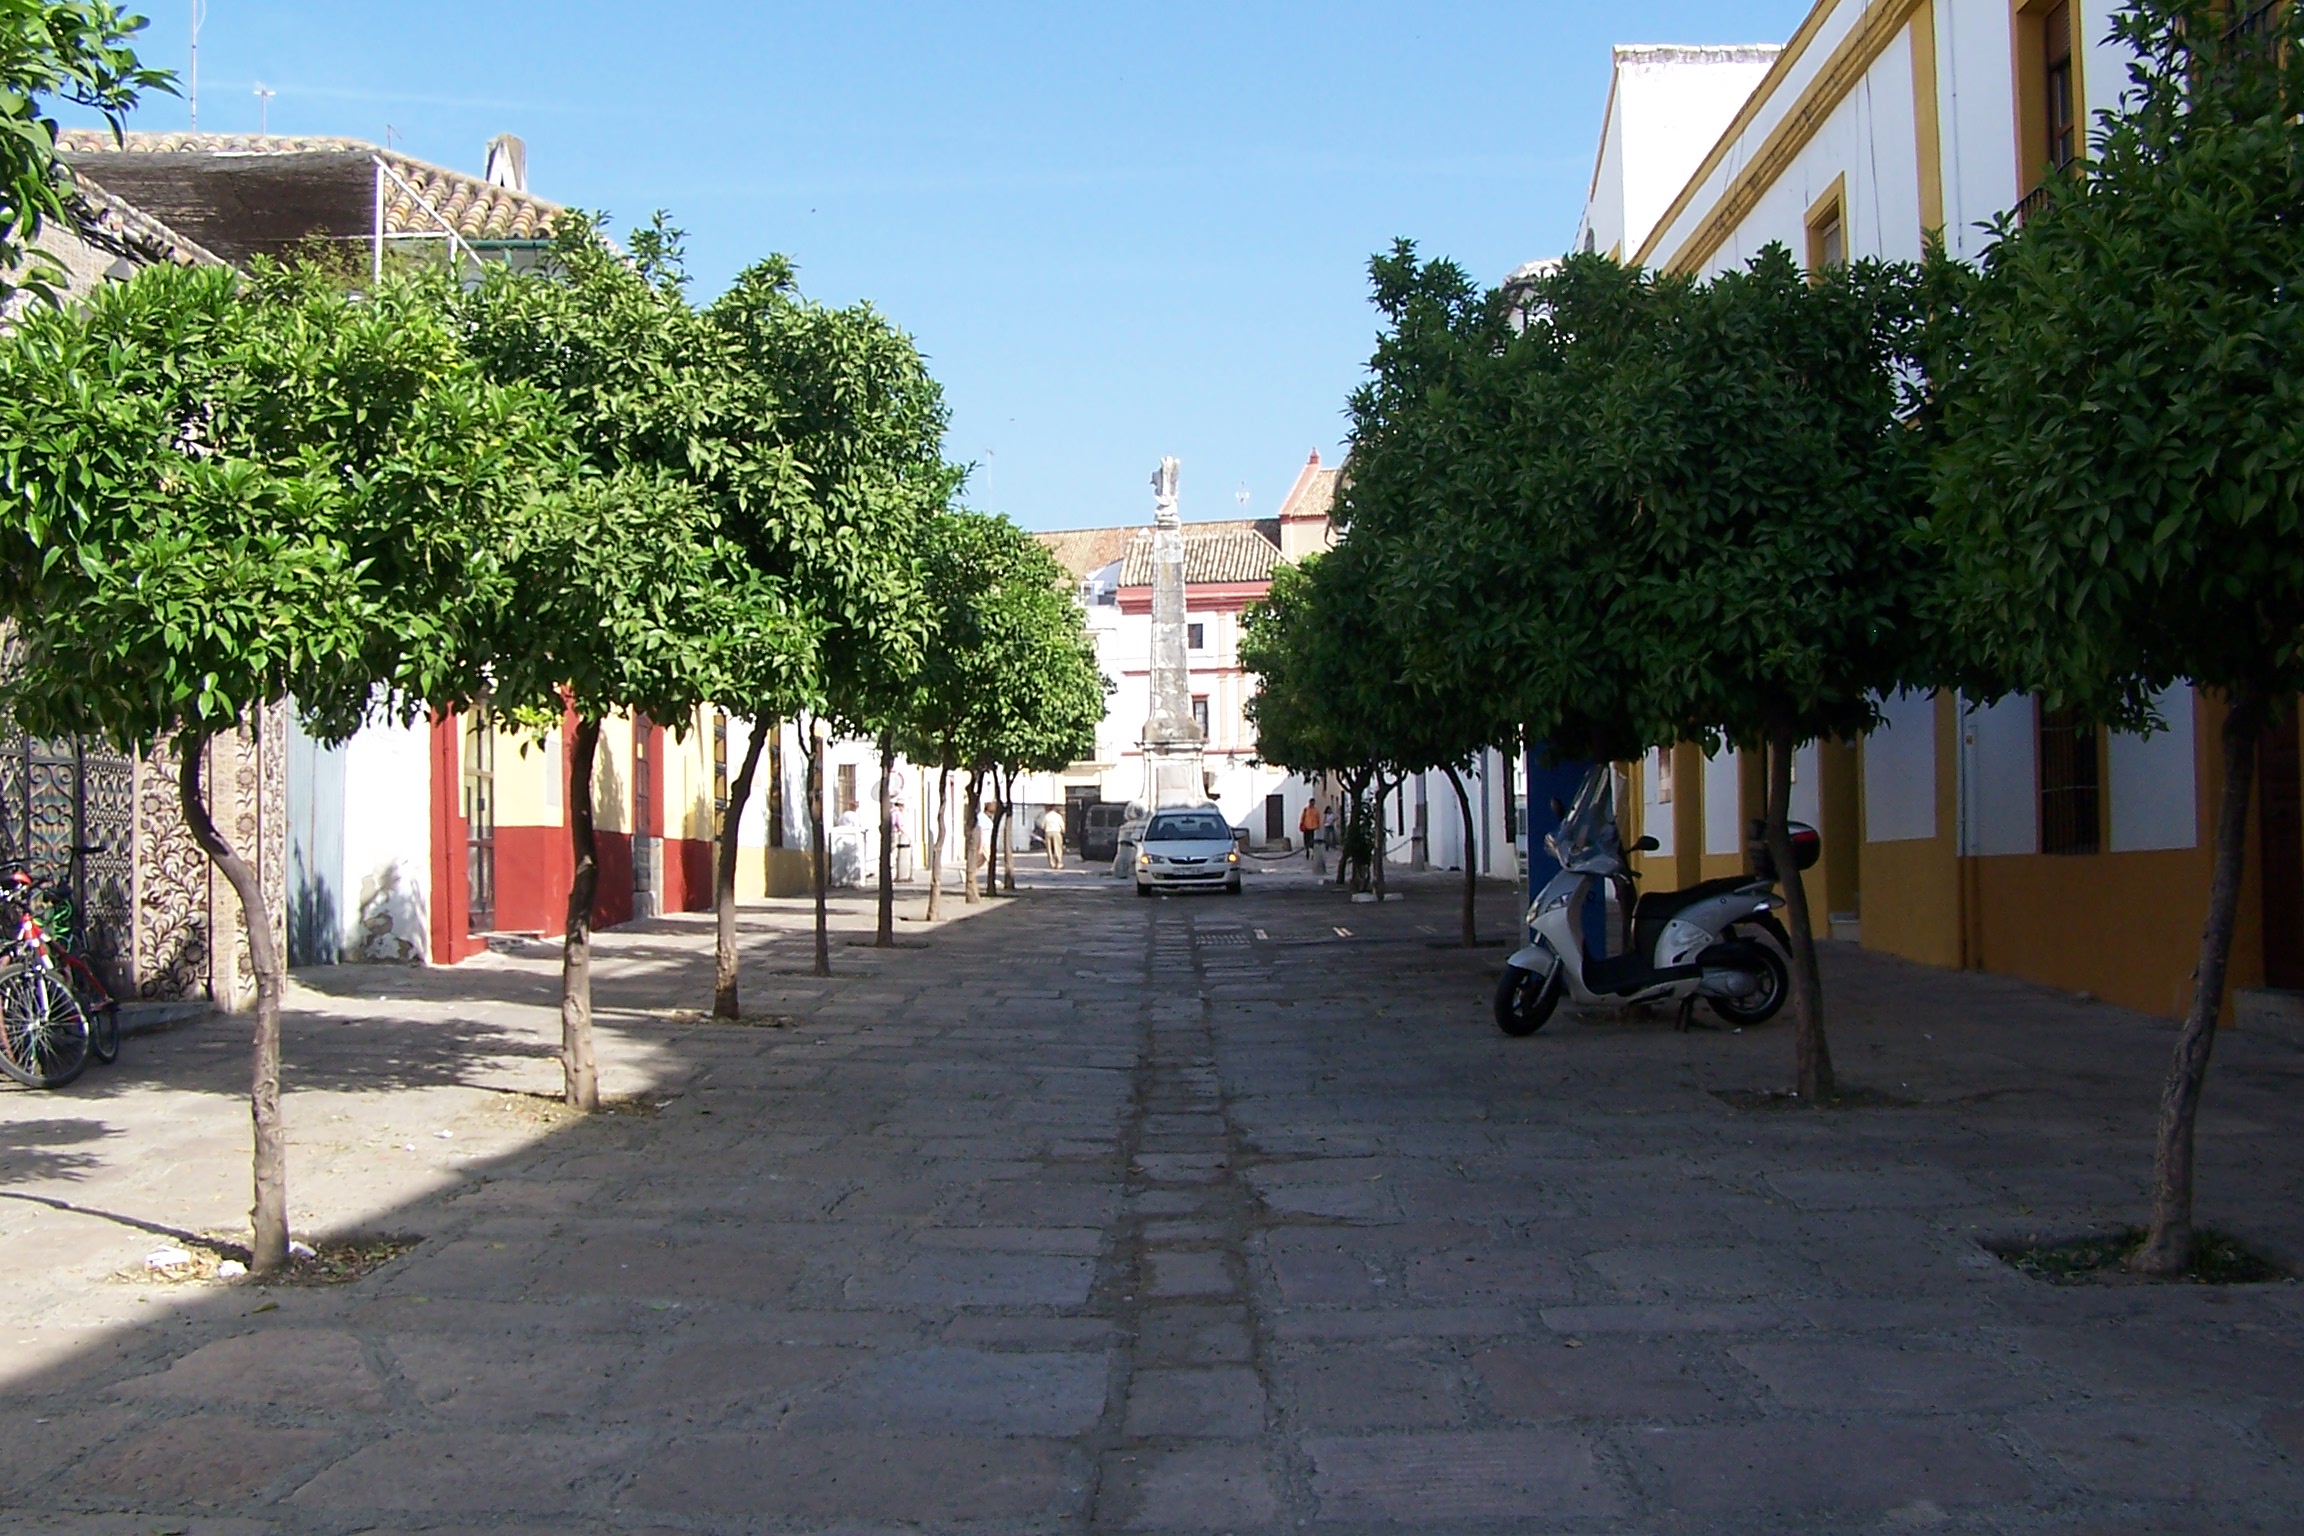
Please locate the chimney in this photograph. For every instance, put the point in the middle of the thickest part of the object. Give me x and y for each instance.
(507, 163)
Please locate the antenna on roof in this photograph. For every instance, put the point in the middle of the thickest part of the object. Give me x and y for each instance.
(1241, 495)
(192, 82)
(391, 136)
(264, 95)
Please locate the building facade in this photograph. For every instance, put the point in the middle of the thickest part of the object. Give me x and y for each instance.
(1228, 566)
(1995, 835)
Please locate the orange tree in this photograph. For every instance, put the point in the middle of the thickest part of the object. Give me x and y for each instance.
(2122, 486)
(218, 496)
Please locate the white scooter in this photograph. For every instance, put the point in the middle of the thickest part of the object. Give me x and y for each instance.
(1681, 945)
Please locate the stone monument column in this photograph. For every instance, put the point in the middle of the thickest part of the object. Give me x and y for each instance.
(1172, 741)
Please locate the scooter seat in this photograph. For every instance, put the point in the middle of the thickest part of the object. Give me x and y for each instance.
(1658, 906)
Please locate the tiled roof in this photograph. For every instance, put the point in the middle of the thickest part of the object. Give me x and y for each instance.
(1081, 550)
(1226, 551)
(119, 225)
(263, 185)
(1314, 493)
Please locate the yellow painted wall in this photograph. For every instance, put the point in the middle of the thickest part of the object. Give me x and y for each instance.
(612, 777)
(525, 769)
(1911, 887)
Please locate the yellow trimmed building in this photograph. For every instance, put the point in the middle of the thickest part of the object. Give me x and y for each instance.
(2006, 837)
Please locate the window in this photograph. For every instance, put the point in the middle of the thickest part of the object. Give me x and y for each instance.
(2049, 95)
(2056, 86)
(847, 790)
(1196, 637)
(479, 821)
(775, 761)
(1828, 228)
(2071, 801)
(643, 762)
(1188, 827)
(1200, 714)
(1663, 775)
(719, 766)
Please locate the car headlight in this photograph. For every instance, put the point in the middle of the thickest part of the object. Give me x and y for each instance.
(1143, 860)
(1233, 857)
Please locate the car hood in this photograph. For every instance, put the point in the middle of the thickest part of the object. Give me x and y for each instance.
(1190, 848)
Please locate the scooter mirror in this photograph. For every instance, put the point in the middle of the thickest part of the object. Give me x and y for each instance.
(1646, 845)
(1558, 810)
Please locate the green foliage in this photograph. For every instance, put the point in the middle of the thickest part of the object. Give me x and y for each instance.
(1010, 678)
(1622, 509)
(837, 498)
(2122, 487)
(634, 597)
(1777, 571)
(216, 494)
(75, 50)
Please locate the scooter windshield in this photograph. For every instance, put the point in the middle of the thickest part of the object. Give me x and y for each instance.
(1588, 831)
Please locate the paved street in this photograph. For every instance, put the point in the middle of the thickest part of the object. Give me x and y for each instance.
(1087, 1213)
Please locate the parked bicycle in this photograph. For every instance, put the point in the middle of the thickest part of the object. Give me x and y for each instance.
(45, 1039)
(60, 919)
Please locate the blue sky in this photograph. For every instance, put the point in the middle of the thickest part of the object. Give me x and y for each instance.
(1117, 231)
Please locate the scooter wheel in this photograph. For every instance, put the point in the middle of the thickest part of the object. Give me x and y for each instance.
(1762, 1005)
(1525, 1000)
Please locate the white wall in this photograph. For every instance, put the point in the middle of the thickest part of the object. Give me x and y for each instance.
(1999, 756)
(388, 842)
(1655, 814)
(2150, 781)
(1723, 805)
(1900, 770)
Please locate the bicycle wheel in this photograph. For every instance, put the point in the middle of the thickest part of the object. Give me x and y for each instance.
(99, 1006)
(43, 1033)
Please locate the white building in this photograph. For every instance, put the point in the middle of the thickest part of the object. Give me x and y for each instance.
(2003, 838)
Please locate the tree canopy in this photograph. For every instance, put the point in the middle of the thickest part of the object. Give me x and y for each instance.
(80, 51)
(2121, 488)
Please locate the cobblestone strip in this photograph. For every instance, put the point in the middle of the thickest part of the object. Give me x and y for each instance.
(1191, 1450)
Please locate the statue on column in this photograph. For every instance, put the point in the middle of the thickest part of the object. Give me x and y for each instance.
(1172, 738)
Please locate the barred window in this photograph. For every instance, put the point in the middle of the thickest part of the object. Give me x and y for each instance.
(2071, 796)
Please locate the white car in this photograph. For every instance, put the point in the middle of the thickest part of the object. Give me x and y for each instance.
(1184, 850)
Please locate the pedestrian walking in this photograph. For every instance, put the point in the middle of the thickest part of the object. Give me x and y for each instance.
(1052, 833)
(1328, 826)
(984, 837)
(1308, 825)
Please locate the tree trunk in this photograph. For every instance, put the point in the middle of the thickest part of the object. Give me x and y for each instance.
(819, 856)
(1352, 856)
(1004, 835)
(1812, 1056)
(2167, 1249)
(884, 937)
(934, 827)
(268, 1216)
(1381, 842)
(1471, 868)
(971, 835)
(581, 1075)
(724, 988)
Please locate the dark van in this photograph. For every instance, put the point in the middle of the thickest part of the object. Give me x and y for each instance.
(1100, 832)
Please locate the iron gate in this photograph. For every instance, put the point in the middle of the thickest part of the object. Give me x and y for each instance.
(68, 809)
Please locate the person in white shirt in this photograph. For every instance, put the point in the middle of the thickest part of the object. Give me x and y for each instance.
(1052, 833)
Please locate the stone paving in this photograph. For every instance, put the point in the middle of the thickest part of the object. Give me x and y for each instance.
(1086, 1213)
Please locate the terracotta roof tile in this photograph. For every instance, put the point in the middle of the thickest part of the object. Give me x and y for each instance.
(475, 208)
(1081, 550)
(118, 224)
(1213, 552)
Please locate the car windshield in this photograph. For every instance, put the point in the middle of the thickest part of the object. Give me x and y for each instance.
(1201, 826)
